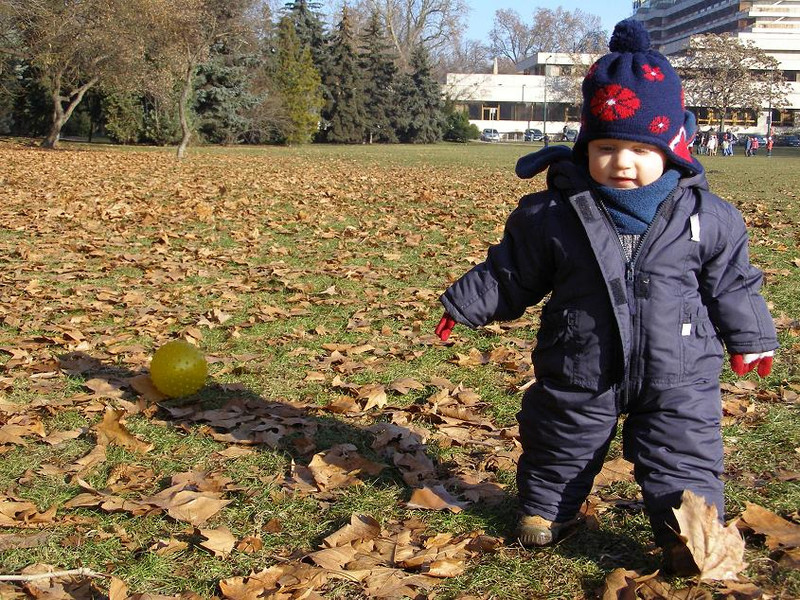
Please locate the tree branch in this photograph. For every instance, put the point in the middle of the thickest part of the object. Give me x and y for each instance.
(52, 575)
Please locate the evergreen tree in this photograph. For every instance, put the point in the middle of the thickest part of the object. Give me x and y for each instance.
(222, 93)
(344, 115)
(309, 30)
(419, 119)
(379, 68)
(299, 84)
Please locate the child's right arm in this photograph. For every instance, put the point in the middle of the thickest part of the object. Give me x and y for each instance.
(515, 275)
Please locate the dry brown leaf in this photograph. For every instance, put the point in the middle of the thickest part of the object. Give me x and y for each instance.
(375, 394)
(219, 541)
(117, 589)
(446, 567)
(340, 466)
(250, 544)
(11, 541)
(614, 471)
(112, 431)
(404, 385)
(780, 532)
(717, 551)
(434, 498)
(620, 584)
(361, 527)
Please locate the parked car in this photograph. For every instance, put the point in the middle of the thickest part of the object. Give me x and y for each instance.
(490, 135)
(533, 135)
(788, 140)
(570, 135)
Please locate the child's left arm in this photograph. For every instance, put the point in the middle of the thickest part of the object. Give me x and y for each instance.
(730, 286)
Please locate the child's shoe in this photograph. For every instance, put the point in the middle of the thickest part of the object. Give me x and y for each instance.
(533, 530)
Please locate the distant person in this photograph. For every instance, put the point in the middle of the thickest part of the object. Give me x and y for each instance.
(754, 146)
(770, 143)
(748, 146)
(646, 275)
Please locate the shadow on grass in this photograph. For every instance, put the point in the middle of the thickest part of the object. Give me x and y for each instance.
(236, 415)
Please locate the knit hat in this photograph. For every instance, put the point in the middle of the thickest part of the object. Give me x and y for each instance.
(633, 93)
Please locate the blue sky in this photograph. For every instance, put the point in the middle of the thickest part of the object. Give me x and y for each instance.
(481, 15)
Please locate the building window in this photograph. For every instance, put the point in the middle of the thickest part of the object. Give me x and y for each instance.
(490, 112)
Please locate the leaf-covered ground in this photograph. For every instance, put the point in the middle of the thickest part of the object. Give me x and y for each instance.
(339, 449)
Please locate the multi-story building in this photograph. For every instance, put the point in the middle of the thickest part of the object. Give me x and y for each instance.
(772, 25)
(544, 94)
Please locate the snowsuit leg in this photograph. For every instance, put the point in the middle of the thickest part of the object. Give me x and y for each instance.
(673, 438)
(565, 433)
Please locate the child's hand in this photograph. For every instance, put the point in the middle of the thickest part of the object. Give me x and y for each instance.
(744, 363)
(445, 326)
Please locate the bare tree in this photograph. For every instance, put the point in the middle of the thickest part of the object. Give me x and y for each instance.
(76, 44)
(432, 23)
(722, 73)
(549, 31)
(190, 29)
(467, 57)
(511, 37)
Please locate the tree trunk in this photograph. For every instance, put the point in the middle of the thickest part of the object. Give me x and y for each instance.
(182, 111)
(61, 116)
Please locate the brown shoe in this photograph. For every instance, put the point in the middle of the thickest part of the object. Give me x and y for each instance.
(533, 530)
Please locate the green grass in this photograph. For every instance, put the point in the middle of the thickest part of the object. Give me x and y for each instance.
(388, 227)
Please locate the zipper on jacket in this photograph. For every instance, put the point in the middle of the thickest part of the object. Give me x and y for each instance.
(630, 282)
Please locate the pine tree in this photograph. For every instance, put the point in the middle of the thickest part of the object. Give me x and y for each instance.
(222, 94)
(419, 119)
(299, 84)
(310, 32)
(344, 116)
(379, 67)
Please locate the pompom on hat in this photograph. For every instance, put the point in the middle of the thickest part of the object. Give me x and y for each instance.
(634, 94)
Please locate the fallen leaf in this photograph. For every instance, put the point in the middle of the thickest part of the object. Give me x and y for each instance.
(780, 532)
(112, 431)
(717, 551)
(220, 541)
(434, 498)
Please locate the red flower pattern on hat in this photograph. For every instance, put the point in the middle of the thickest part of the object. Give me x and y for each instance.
(659, 125)
(613, 102)
(652, 73)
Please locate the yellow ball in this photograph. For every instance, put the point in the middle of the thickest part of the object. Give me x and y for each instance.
(178, 369)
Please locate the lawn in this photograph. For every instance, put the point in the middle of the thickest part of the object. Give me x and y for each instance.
(339, 449)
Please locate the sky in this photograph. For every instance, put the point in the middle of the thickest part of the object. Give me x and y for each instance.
(481, 15)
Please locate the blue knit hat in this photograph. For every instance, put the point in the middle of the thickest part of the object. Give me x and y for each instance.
(633, 93)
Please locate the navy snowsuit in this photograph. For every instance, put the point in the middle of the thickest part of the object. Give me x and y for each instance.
(642, 338)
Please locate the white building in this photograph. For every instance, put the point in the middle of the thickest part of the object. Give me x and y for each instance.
(772, 25)
(545, 94)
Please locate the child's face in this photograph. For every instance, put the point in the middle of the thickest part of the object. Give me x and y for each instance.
(623, 164)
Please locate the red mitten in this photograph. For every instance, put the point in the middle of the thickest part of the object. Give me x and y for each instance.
(445, 327)
(744, 363)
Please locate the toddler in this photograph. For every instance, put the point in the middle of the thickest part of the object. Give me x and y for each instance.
(646, 275)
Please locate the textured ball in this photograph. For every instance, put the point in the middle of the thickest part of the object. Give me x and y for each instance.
(178, 369)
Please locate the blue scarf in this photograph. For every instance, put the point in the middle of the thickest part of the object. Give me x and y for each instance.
(632, 210)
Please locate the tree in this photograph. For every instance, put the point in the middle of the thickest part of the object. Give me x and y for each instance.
(222, 92)
(409, 23)
(550, 31)
(419, 119)
(457, 126)
(378, 64)
(722, 73)
(73, 45)
(299, 84)
(181, 37)
(344, 115)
